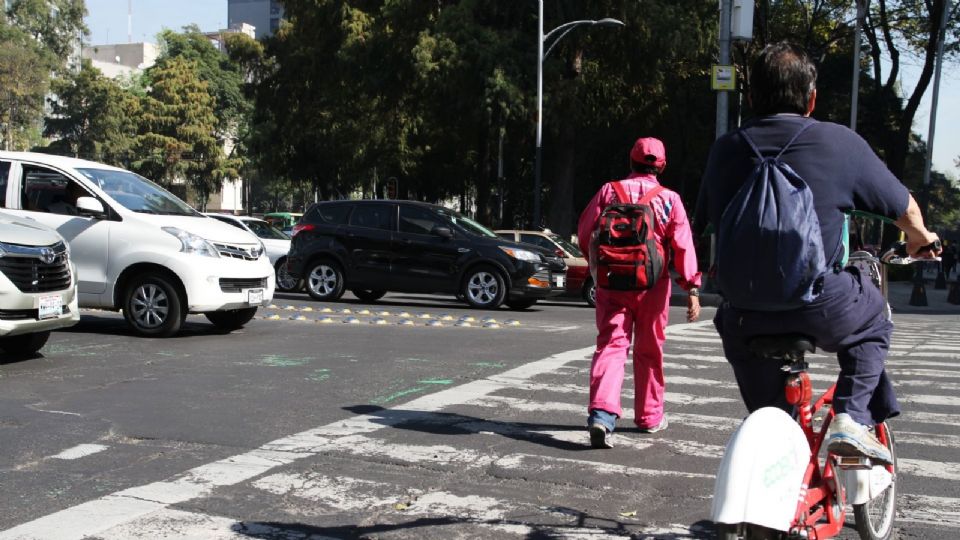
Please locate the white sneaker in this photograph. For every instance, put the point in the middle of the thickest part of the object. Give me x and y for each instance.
(846, 437)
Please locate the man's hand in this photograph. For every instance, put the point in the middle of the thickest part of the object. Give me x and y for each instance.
(916, 242)
(693, 308)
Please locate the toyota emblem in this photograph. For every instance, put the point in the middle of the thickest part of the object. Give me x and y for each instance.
(47, 255)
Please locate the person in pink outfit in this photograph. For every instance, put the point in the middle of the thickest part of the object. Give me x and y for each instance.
(638, 316)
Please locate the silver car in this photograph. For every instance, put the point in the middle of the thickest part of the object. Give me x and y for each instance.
(275, 242)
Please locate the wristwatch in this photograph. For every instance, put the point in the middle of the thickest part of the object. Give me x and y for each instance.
(694, 292)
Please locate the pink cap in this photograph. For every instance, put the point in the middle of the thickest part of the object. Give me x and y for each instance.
(649, 151)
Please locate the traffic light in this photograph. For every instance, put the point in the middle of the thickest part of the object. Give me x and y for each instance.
(391, 188)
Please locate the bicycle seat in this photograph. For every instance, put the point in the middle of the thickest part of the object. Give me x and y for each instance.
(780, 345)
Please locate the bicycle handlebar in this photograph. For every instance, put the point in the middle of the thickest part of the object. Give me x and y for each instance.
(897, 254)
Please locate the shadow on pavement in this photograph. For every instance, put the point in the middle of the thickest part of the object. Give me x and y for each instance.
(436, 423)
(295, 531)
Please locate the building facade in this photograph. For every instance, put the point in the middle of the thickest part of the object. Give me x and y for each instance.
(264, 15)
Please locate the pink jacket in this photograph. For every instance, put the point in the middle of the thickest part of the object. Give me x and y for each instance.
(671, 223)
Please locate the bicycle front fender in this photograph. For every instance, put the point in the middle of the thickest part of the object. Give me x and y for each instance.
(762, 472)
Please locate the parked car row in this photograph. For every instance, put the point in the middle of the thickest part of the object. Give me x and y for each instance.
(79, 234)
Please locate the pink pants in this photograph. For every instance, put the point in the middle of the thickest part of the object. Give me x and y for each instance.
(642, 316)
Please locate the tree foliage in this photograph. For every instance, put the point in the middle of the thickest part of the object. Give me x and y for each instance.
(92, 117)
(177, 136)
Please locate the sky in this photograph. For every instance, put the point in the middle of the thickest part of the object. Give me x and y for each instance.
(107, 21)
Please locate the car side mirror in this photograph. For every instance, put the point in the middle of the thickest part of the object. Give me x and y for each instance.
(89, 206)
(443, 232)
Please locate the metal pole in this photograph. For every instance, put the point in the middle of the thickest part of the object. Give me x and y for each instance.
(723, 107)
(935, 100)
(855, 87)
(537, 158)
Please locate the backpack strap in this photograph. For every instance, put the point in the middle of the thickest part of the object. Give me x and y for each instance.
(648, 196)
(621, 193)
(753, 146)
(624, 197)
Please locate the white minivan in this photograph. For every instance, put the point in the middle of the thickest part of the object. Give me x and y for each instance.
(137, 247)
(38, 291)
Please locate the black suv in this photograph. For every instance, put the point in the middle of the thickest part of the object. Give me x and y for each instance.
(374, 246)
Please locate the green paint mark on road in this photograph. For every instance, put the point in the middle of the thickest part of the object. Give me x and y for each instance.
(319, 375)
(278, 360)
(397, 395)
(435, 381)
(489, 364)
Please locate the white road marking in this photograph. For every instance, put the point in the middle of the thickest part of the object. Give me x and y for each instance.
(932, 418)
(176, 524)
(79, 451)
(929, 469)
(928, 510)
(926, 439)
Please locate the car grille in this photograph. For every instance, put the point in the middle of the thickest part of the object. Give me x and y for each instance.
(237, 285)
(238, 252)
(23, 265)
(24, 314)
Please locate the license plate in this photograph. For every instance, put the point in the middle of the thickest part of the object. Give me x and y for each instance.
(255, 297)
(50, 307)
(559, 281)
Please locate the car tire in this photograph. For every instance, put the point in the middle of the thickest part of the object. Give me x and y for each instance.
(24, 344)
(324, 280)
(590, 292)
(521, 303)
(231, 319)
(483, 288)
(285, 281)
(368, 295)
(152, 306)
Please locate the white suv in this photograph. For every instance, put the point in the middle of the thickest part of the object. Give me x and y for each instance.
(38, 292)
(137, 247)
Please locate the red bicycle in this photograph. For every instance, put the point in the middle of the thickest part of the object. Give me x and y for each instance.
(776, 480)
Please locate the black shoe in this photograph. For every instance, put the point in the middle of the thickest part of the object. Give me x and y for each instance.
(600, 437)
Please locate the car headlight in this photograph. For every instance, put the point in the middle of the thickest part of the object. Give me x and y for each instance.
(521, 254)
(258, 251)
(193, 243)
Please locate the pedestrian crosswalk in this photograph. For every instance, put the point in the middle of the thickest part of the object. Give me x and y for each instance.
(507, 457)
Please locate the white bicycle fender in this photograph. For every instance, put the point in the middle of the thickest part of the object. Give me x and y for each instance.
(762, 470)
(864, 485)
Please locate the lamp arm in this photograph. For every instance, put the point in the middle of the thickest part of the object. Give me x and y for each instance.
(568, 27)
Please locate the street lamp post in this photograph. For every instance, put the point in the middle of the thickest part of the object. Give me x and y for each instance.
(542, 39)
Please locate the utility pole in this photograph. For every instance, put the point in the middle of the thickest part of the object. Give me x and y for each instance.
(855, 87)
(723, 96)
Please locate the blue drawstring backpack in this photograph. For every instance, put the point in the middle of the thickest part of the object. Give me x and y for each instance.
(769, 245)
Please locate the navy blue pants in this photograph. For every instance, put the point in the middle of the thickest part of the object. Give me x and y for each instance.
(848, 318)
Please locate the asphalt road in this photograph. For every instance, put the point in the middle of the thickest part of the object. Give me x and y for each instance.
(402, 419)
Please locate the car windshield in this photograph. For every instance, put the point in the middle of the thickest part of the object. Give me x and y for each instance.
(466, 223)
(568, 246)
(265, 230)
(138, 194)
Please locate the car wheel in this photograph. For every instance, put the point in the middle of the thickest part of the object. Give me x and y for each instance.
(152, 306)
(325, 280)
(24, 344)
(521, 303)
(590, 293)
(285, 281)
(483, 288)
(368, 295)
(231, 319)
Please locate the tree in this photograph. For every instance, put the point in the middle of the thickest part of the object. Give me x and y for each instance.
(92, 117)
(55, 25)
(22, 87)
(177, 134)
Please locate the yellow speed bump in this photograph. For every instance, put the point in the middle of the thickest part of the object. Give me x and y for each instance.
(378, 320)
(351, 320)
(405, 322)
(325, 320)
(434, 322)
(512, 322)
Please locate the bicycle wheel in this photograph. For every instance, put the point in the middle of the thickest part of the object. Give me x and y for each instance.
(875, 517)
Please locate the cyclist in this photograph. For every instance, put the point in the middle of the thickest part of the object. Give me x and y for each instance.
(848, 314)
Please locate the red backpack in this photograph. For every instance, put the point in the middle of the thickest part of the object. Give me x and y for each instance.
(628, 256)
